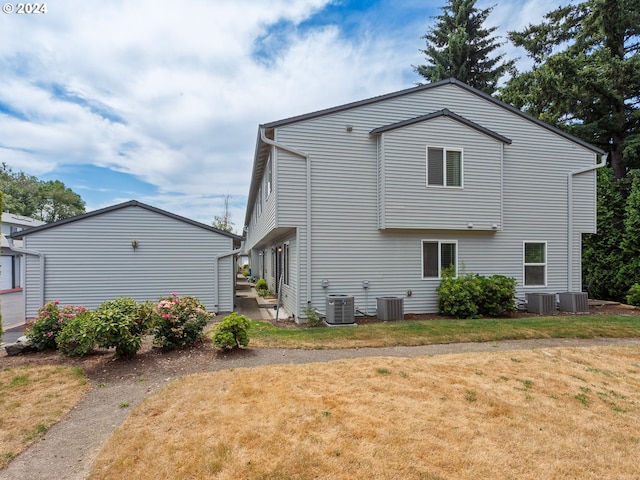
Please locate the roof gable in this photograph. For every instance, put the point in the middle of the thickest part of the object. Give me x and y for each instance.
(410, 91)
(131, 203)
(441, 113)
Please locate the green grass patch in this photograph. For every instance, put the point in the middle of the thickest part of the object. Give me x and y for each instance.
(424, 332)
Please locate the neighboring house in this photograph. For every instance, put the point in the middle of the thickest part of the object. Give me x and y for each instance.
(375, 198)
(11, 268)
(128, 250)
(10, 261)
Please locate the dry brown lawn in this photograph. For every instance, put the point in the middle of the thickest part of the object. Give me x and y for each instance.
(542, 414)
(31, 400)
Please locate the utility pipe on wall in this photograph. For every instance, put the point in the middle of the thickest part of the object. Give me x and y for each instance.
(570, 215)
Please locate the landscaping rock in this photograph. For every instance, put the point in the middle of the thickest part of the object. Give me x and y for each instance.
(22, 345)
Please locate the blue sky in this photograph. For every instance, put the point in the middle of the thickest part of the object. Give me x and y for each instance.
(161, 101)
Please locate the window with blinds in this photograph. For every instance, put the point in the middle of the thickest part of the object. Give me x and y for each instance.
(444, 167)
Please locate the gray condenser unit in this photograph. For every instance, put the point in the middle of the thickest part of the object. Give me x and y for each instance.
(390, 308)
(543, 303)
(574, 302)
(340, 309)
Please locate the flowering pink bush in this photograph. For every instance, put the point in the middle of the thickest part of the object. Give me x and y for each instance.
(179, 321)
(44, 329)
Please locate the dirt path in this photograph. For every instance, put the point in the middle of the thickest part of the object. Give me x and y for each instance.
(67, 451)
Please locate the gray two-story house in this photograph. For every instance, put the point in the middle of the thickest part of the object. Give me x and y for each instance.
(375, 198)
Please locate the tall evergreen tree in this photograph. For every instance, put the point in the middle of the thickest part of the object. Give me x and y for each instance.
(586, 75)
(459, 46)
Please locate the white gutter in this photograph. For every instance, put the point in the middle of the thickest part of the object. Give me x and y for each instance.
(216, 293)
(25, 251)
(570, 215)
(281, 146)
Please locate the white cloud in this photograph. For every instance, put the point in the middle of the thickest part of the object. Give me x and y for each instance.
(173, 92)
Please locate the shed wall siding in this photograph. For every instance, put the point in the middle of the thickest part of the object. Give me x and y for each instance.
(92, 260)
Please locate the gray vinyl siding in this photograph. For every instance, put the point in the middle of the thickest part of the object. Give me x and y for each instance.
(368, 223)
(92, 260)
(410, 203)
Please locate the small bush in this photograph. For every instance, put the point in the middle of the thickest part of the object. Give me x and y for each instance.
(498, 295)
(51, 318)
(471, 295)
(261, 284)
(633, 297)
(77, 337)
(119, 324)
(313, 317)
(457, 295)
(179, 322)
(232, 332)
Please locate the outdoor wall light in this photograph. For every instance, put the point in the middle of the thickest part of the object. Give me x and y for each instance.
(134, 244)
(279, 249)
(349, 128)
(469, 225)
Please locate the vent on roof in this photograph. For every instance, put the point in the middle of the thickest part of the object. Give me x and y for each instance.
(543, 303)
(340, 309)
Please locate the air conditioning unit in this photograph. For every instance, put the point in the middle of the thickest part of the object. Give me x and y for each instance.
(340, 309)
(574, 302)
(390, 308)
(543, 303)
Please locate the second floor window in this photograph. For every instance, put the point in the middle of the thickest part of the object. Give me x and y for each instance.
(444, 167)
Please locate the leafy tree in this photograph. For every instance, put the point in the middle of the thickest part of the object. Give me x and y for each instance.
(459, 46)
(586, 75)
(47, 201)
(223, 222)
(629, 273)
(602, 256)
(58, 202)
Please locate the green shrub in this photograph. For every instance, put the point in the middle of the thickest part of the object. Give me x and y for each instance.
(245, 272)
(44, 329)
(179, 322)
(77, 337)
(232, 332)
(261, 284)
(470, 295)
(457, 295)
(498, 295)
(633, 297)
(119, 324)
(313, 317)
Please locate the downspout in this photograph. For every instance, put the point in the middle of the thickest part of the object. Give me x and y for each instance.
(570, 216)
(40, 255)
(216, 293)
(281, 146)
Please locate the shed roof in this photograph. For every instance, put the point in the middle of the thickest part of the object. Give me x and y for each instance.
(130, 203)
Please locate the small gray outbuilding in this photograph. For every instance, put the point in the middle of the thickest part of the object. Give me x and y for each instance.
(128, 250)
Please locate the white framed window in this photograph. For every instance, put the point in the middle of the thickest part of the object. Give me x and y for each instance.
(438, 255)
(260, 201)
(534, 264)
(444, 167)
